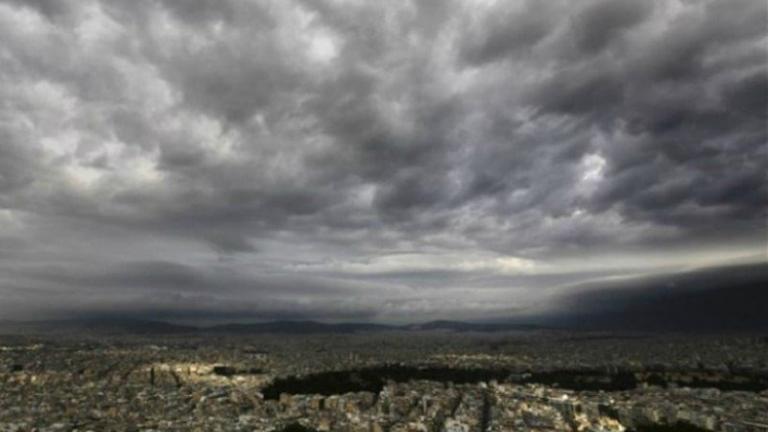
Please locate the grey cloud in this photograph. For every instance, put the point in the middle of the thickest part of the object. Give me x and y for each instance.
(202, 11)
(176, 290)
(49, 8)
(18, 165)
(583, 89)
(712, 299)
(602, 22)
(290, 132)
(502, 32)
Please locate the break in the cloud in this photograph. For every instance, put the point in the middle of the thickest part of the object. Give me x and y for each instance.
(373, 160)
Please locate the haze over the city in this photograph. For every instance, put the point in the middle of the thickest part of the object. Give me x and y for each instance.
(390, 161)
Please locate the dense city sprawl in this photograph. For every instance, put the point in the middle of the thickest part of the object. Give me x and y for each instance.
(390, 381)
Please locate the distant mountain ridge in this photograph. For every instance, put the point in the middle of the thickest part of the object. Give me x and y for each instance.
(464, 326)
(297, 327)
(150, 327)
(109, 325)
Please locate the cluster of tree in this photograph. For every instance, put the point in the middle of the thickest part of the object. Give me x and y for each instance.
(296, 427)
(374, 379)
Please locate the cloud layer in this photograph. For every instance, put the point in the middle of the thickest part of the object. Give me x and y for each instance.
(372, 159)
(730, 298)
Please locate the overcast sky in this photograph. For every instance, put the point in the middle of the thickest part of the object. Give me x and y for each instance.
(371, 160)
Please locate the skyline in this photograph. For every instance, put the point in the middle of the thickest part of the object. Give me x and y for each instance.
(355, 161)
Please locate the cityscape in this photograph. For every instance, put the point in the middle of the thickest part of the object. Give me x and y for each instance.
(383, 216)
(419, 380)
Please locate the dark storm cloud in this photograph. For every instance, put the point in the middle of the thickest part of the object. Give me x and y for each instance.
(499, 136)
(601, 23)
(506, 31)
(159, 288)
(161, 276)
(49, 8)
(732, 298)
